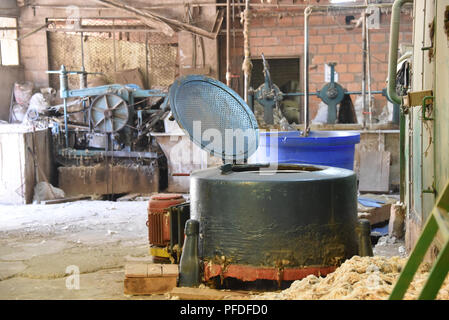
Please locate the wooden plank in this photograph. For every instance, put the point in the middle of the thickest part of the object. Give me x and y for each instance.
(148, 270)
(374, 171)
(207, 294)
(145, 286)
(376, 215)
(189, 71)
(71, 199)
(129, 197)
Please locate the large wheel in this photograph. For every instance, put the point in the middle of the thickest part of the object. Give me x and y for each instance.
(109, 113)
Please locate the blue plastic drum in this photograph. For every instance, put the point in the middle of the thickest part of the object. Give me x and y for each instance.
(327, 148)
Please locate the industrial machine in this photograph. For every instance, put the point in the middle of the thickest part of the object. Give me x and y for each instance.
(270, 96)
(114, 131)
(167, 215)
(278, 222)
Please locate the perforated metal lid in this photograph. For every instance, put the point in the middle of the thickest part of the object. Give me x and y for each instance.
(215, 117)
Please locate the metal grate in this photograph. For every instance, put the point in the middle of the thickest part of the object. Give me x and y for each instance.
(154, 54)
(209, 111)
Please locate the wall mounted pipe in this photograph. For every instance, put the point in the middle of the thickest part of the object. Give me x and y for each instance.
(393, 53)
(391, 92)
(307, 13)
(364, 108)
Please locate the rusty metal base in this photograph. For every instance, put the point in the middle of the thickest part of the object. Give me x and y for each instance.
(112, 179)
(251, 273)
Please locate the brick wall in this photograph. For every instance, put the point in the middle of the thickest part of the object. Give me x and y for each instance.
(280, 33)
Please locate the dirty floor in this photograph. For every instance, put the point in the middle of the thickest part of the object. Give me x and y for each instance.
(42, 245)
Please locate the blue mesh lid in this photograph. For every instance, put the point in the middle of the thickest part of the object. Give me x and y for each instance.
(215, 117)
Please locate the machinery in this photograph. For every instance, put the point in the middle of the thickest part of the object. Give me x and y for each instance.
(270, 96)
(278, 222)
(114, 131)
(167, 215)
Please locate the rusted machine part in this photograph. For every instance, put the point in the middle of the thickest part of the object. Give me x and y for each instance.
(251, 273)
(158, 219)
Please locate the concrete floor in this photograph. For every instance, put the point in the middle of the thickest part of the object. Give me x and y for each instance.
(39, 242)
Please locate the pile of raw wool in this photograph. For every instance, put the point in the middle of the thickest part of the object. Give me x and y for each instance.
(359, 278)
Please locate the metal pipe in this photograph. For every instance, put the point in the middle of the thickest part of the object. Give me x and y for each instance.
(391, 91)
(368, 61)
(228, 45)
(307, 13)
(393, 53)
(365, 112)
(247, 65)
(66, 128)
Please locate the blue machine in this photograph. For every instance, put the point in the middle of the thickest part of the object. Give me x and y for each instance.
(118, 119)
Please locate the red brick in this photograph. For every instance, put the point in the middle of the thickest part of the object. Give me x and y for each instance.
(325, 49)
(298, 40)
(318, 59)
(256, 42)
(347, 38)
(263, 32)
(355, 48)
(379, 77)
(355, 67)
(331, 39)
(285, 40)
(257, 22)
(269, 22)
(341, 48)
(323, 31)
(333, 58)
(285, 21)
(285, 51)
(315, 20)
(269, 51)
(270, 41)
(341, 68)
(377, 37)
(316, 40)
(316, 77)
(298, 21)
(347, 58)
(354, 86)
(313, 32)
(278, 33)
(294, 32)
(379, 57)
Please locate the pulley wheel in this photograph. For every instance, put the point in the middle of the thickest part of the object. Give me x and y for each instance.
(109, 113)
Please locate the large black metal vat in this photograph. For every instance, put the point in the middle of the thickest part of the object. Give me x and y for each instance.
(280, 224)
(257, 222)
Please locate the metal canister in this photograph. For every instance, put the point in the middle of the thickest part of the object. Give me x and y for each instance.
(364, 232)
(158, 219)
(279, 224)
